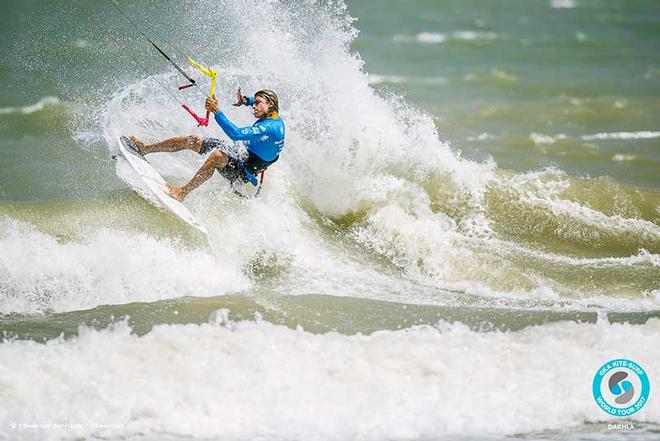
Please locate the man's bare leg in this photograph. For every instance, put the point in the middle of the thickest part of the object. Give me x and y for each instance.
(216, 159)
(174, 144)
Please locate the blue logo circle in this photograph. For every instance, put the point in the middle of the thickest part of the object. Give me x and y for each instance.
(621, 387)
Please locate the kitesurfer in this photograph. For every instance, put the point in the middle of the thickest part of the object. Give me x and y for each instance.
(263, 141)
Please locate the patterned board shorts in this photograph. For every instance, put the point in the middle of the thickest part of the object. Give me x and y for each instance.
(235, 158)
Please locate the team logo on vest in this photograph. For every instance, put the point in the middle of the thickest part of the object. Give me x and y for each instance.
(621, 387)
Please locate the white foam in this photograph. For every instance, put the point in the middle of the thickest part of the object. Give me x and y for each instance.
(375, 79)
(38, 272)
(398, 79)
(541, 139)
(623, 157)
(431, 37)
(32, 108)
(401, 225)
(642, 257)
(544, 189)
(474, 35)
(403, 38)
(562, 4)
(481, 137)
(440, 37)
(255, 380)
(646, 134)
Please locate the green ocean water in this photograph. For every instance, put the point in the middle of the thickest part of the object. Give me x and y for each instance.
(476, 183)
(511, 69)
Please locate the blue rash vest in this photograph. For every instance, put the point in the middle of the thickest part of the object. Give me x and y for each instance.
(265, 138)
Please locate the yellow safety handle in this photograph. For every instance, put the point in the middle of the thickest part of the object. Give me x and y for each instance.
(206, 71)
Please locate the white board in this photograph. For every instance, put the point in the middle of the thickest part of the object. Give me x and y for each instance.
(154, 182)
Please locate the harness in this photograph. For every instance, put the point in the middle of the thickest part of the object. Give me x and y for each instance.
(256, 166)
(253, 167)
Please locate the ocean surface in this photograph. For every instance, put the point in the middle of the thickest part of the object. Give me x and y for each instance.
(463, 227)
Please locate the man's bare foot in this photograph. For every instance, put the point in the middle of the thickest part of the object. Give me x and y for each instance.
(175, 192)
(140, 145)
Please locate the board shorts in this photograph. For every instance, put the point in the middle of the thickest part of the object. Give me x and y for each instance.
(239, 160)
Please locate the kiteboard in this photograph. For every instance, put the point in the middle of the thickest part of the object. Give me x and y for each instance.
(154, 182)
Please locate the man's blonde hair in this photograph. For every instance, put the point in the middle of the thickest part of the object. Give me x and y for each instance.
(272, 99)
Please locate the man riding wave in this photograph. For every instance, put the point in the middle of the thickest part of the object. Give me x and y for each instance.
(263, 141)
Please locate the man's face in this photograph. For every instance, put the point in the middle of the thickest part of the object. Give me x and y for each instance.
(260, 107)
